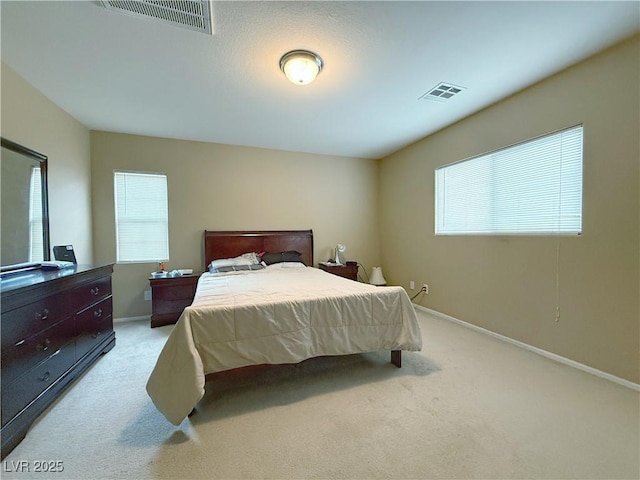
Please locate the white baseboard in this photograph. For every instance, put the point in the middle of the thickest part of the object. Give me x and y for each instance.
(539, 351)
(146, 318)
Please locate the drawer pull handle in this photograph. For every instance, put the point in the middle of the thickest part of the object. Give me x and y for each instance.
(94, 291)
(97, 313)
(42, 315)
(45, 377)
(45, 347)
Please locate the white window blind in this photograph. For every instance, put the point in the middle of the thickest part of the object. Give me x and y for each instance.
(532, 188)
(36, 235)
(142, 218)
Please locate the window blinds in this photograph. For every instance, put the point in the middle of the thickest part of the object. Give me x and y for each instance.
(532, 188)
(142, 219)
(36, 233)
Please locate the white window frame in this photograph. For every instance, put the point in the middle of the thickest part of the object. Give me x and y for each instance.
(36, 233)
(529, 188)
(141, 202)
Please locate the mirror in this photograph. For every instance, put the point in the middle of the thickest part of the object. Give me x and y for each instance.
(24, 211)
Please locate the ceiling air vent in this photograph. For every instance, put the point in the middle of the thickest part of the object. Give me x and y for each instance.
(442, 92)
(191, 14)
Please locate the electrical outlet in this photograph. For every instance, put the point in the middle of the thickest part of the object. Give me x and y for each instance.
(412, 285)
(425, 287)
(147, 294)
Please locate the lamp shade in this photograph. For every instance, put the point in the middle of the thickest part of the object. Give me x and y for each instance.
(301, 66)
(376, 277)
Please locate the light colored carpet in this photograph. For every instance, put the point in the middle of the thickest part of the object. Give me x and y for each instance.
(467, 406)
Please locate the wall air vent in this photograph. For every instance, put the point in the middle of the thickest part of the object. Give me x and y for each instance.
(191, 14)
(442, 92)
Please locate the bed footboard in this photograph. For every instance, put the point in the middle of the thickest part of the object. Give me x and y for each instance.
(396, 358)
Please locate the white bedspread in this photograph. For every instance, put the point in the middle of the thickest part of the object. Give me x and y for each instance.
(285, 313)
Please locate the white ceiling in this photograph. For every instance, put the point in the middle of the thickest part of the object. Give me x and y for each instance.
(120, 73)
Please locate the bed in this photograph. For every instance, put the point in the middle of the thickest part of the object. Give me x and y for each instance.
(261, 301)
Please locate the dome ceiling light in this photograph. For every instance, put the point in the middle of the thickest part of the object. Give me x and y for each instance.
(301, 66)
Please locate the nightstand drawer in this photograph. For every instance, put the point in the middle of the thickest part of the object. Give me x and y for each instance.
(173, 292)
(170, 296)
(346, 271)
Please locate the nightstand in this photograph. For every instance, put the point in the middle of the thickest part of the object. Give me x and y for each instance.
(346, 271)
(170, 296)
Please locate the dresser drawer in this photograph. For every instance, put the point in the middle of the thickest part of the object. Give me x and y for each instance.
(22, 322)
(90, 292)
(19, 393)
(19, 357)
(91, 324)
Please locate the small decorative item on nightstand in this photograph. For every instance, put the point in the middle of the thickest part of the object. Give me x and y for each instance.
(339, 254)
(376, 277)
(350, 270)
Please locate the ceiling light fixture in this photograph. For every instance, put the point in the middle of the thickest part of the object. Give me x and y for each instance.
(301, 66)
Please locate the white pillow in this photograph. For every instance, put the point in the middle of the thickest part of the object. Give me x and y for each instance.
(274, 266)
(244, 259)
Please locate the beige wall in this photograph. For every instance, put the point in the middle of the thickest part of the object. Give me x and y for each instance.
(32, 120)
(508, 284)
(223, 187)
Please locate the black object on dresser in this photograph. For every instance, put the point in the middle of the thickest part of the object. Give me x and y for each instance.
(55, 324)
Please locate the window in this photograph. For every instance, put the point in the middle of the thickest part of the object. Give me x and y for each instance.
(142, 219)
(36, 234)
(532, 188)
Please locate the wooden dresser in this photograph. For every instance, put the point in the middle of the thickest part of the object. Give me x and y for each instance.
(54, 325)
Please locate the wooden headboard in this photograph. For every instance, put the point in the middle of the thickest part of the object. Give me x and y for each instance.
(229, 244)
